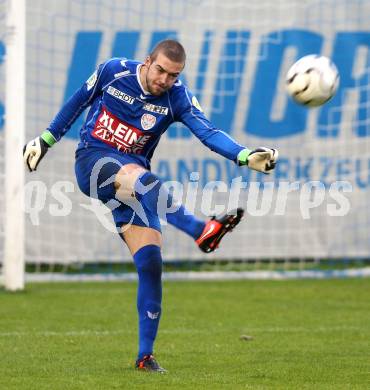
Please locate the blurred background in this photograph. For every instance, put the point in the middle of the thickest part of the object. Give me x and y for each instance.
(238, 55)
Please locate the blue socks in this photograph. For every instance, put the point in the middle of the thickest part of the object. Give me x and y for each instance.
(150, 192)
(148, 261)
(153, 195)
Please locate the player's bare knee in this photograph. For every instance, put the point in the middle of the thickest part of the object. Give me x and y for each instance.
(137, 237)
(125, 180)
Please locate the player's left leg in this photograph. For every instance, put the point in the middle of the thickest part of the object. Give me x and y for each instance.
(148, 189)
(145, 246)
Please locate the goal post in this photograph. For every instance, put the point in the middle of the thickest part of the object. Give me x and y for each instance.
(15, 102)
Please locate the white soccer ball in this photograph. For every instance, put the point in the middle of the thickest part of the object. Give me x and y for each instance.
(312, 80)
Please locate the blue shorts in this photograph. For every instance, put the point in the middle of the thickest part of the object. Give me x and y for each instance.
(95, 172)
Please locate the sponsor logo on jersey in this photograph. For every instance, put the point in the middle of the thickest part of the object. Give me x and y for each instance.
(148, 121)
(157, 109)
(92, 80)
(119, 74)
(120, 95)
(196, 104)
(119, 134)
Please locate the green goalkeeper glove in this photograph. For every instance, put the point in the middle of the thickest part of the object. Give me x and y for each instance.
(35, 150)
(261, 159)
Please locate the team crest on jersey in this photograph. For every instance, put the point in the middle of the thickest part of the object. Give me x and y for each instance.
(148, 121)
(196, 104)
(92, 80)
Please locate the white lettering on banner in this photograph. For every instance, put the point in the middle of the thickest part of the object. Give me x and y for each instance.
(114, 132)
(120, 95)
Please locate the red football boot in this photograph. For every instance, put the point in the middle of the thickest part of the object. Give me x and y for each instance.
(216, 228)
(148, 363)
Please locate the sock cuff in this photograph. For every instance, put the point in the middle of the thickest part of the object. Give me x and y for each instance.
(148, 259)
(148, 250)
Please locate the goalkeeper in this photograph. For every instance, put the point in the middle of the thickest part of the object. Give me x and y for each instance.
(131, 105)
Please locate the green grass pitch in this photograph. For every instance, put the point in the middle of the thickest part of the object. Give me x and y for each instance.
(306, 334)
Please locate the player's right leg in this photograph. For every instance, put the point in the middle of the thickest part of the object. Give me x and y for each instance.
(141, 231)
(96, 171)
(145, 246)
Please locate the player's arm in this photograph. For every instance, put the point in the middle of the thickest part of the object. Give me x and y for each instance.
(35, 150)
(261, 159)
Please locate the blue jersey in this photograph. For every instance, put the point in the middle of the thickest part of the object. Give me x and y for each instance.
(127, 118)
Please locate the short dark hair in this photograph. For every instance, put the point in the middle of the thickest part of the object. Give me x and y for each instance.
(172, 49)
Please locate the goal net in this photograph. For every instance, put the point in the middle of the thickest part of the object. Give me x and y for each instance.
(311, 212)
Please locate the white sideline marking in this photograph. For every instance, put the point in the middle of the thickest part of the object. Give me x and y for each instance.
(214, 275)
(302, 329)
(79, 333)
(277, 329)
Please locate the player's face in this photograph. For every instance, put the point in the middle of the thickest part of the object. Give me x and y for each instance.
(161, 74)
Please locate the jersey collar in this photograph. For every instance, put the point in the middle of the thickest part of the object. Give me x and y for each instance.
(139, 82)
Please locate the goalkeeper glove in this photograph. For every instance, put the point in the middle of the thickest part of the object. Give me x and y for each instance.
(35, 150)
(261, 159)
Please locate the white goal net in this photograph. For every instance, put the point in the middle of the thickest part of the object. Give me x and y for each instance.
(315, 204)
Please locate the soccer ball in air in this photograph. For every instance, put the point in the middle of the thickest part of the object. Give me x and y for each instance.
(312, 80)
